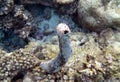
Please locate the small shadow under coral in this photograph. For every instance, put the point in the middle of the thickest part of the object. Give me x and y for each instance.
(9, 41)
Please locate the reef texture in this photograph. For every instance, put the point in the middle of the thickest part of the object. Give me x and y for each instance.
(18, 62)
(91, 61)
(96, 57)
(46, 2)
(6, 6)
(99, 14)
(15, 25)
(19, 20)
(64, 6)
(11, 64)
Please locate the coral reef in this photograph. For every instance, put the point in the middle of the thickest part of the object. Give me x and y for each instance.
(64, 1)
(13, 63)
(11, 21)
(70, 8)
(46, 23)
(27, 33)
(64, 6)
(6, 6)
(15, 26)
(46, 2)
(88, 63)
(91, 61)
(9, 41)
(99, 14)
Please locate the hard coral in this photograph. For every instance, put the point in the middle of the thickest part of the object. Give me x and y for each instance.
(11, 64)
(19, 20)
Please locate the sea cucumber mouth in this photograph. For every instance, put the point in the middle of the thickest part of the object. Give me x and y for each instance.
(62, 28)
(66, 32)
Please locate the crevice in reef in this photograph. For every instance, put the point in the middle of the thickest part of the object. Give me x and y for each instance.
(47, 18)
(19, 76)
(10, 41)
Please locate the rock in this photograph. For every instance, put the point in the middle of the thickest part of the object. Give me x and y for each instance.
(46, 2)
(68, 8)
(63, 6)
(28, 78)
(48, 31)
(64, 1)
(101, 60)
(113, 40)
(65, 77)
(6, 6)
(52, 80)
(43, 2)
(2, 34)
(95, 57)
(20, 21)
(97, 15)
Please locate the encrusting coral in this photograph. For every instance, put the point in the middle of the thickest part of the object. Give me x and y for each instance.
(13, 63)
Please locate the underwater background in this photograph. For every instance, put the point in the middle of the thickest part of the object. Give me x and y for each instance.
(28, 37)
